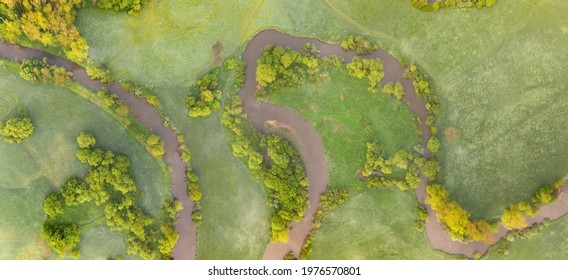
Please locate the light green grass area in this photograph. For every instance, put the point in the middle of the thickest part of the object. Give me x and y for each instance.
(375, 224)
(338, 109)
(44, 161)
(235, 212)
(500, 72)
(171, 42)
(549, 244)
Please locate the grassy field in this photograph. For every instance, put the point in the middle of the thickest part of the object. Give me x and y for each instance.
(338, 109)
(43, 162)
(503, 92)
(500, 73)
(549, 244)
(374, 224)
(235, 213)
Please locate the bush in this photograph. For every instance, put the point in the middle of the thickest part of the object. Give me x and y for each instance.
(359, 44)
(86, 140)
(208, 99)
(96, 72)
(156, 145)
(370, 69)
(16, 130)
(52, 205)
(396, 90)
(36, 71)
(433, 144)
(62, 238)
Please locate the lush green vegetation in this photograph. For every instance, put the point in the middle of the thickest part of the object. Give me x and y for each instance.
(17, 129)
(485, 170)
(39, 71)
(108, 183)
(438, 4)
(548, 244)
(383, 220)
(359, 44)
(281, 171)
(207, 101)
(52, 24)
(24, 186)
(456, 219)
(229, 228)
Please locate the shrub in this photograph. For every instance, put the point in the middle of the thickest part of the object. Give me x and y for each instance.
(86, 140)
(52, 205)
(156, 145)
(36, 71)
(208, 99)
(62, 238)
(96, 72)
(433, 144)
(16, 130)
(359, 44)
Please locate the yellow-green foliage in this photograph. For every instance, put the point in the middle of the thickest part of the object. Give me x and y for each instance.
(455, 218)
(280, 68)
(359, 44)
(52, 205)
(108, 183)
(207, 101)
(39, 71)
(62, 238)
(397, 90)
(15, 130)
(513, 218)
(156, 144)
(283, 175)
(370, 69)
(439, 4)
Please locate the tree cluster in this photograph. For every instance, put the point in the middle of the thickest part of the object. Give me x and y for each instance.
(17, 129)
(280, 68)
(273, 161)
(378, 169)
(156, 145)
(422, 214)
(439, 4)
(51, 23)
(192, 186)
(514, 217)
(96, 71)
(527, 232)
(40, 71)
(370, 69)
(209, 97)
(359, 44)
(62, 238)
(108, 182)
(134, 7)
(238, 65)
(423, 90)
(457, 220)
(396, 90)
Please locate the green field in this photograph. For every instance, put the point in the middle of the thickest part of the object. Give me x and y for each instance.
(502, 88)
(385, 218)
(44, 161)
(374, 224)
(493, 68)
(549, 244)
(338, 109)
(235, 213)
